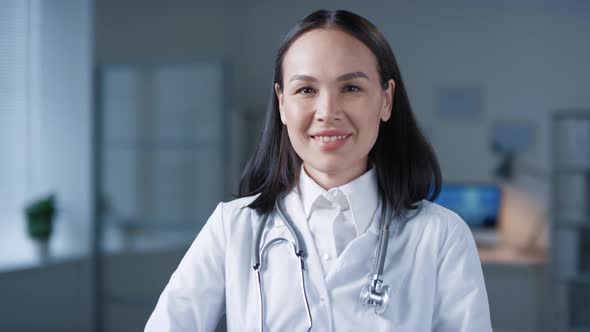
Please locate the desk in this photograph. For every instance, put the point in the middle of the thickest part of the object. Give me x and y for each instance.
(511, 256)
(517, 283)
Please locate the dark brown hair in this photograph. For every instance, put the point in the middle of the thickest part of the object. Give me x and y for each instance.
(407, 168)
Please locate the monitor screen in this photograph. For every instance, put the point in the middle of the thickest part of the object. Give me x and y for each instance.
(477, 203)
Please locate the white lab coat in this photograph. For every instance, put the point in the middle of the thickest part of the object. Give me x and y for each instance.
(432, 268)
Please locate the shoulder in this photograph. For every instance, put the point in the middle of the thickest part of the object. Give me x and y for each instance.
(237, 209)
(238, 203)
(434, 213)
(440, 221)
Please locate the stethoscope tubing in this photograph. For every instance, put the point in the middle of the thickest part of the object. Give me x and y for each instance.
(376, 288)
(258, 263)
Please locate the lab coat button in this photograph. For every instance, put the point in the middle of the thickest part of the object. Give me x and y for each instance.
(326, 257)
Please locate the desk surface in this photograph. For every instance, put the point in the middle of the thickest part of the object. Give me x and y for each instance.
(511, 256)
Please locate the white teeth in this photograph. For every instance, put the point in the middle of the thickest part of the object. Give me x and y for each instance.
(329, 138)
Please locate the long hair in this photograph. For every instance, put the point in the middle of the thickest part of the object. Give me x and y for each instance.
(407, 168)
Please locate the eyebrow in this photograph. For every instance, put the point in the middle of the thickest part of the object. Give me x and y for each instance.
(345, 77)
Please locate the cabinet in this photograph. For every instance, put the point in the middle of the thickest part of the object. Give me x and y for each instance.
(571, 218)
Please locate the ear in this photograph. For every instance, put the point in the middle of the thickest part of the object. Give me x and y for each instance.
(280, 98)
(388, 102)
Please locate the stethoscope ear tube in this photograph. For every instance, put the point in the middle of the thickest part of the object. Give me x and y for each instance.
(256, 256)
(383, 241)
(298, 241)
(299, 248)
(259, 253)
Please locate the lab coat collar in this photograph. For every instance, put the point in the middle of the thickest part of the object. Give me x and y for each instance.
(361, 193)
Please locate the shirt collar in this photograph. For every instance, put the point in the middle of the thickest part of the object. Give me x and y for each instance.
(361, 195)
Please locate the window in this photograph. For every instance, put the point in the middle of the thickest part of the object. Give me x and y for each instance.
(14, 116)
(45, 124)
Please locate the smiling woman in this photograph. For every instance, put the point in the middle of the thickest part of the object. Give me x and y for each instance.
(332, 118)
(336, 75)
(333, 229)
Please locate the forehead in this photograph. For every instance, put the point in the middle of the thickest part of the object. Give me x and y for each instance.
(328, 52)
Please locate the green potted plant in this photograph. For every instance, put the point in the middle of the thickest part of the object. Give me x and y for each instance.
(40, 214)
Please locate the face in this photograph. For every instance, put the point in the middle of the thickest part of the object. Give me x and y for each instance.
(332, 102)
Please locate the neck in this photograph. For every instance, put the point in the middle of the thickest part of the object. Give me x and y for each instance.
(333, 179)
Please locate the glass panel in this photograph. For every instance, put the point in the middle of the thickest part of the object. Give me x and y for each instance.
(568, 254)
(573, 133)
(579, 305)
(573, 194)
(585, 253)
(162, 175)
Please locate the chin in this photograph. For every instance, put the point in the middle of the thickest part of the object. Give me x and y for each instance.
(330, 165)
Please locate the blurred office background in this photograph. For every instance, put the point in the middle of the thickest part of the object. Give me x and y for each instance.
(138, 115)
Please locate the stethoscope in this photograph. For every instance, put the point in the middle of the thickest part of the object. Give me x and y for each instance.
(374, 294)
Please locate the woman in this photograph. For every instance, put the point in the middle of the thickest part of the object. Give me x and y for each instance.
(340, 162)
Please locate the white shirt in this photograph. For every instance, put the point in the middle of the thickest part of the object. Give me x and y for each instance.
(432, 268)
(339, 215)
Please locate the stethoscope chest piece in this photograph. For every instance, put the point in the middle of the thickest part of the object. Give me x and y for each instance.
(377, 295)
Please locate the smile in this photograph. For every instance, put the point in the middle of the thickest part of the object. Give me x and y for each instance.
(329, 138)
(331, 143)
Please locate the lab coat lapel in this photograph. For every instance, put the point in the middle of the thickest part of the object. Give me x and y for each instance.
(359, 255)
(362, 251)
(364, 247)
(294, 209)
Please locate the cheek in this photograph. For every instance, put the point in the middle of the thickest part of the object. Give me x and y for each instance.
(297, 122)
(297, 116)
(368, 125)
(371, 132)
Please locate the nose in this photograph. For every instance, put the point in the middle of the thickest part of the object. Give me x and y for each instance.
(328, 107)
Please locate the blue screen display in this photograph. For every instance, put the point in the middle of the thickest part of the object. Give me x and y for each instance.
(477, 203)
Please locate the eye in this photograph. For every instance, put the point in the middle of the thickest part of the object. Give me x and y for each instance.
(351, 88)
(305, 90)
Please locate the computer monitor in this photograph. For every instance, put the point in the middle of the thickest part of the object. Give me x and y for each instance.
(477, 203)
